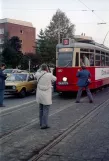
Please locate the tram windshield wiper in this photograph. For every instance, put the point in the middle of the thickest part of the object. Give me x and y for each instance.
(68, 63)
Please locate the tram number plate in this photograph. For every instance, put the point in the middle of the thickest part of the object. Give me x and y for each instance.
(62, 83)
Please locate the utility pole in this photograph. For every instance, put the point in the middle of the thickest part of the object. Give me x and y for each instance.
(59, 36)
(59, 30)
(29, 65)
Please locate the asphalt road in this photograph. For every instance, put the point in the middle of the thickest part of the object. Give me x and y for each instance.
(20, 134)
(88, 143)
(11, 100)
(20, 114)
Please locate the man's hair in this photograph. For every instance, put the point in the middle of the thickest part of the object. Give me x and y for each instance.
(44, 67)
(2, 65)
(83, 67)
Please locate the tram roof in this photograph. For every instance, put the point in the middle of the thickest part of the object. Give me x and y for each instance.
(92, 45)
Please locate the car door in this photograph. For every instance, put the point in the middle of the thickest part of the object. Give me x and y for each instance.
(31, 82)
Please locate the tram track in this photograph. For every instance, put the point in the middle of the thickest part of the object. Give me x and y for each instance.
(72, 128)
(34, 121)
(31, 141)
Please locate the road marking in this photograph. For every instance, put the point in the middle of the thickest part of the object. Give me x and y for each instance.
(34, 121)
(15, 107)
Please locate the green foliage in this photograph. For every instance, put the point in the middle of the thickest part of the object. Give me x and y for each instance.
(12, 55)
(59, 27)
(34, 59)
(59, 24)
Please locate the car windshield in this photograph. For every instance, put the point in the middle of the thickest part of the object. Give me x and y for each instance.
(17, 77)
(6, 71)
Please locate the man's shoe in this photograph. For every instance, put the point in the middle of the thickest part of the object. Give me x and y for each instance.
(90, 101)
(45, 127)
(77, 102)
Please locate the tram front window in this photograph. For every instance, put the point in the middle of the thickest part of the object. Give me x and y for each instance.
(65, 59)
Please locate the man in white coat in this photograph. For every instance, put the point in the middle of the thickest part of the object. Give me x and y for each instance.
(44, 94)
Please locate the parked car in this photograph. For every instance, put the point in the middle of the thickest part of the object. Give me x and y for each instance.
(20, 84)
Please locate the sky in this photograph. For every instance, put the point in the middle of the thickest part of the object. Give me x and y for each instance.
(40, 12)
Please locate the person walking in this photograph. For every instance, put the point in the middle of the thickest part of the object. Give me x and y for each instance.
(2, 84)
(83, 82)
(44, 94)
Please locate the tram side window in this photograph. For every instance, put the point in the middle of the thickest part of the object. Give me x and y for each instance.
(91, 59)
(97, 60)
(102, 60)
(107, 59)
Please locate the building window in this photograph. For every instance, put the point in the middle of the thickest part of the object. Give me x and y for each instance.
(1, 31)
(21, 31)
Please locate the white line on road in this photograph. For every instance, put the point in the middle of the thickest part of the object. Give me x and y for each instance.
(15, 107)
(34, 121)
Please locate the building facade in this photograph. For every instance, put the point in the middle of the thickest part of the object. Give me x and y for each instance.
(24, 30)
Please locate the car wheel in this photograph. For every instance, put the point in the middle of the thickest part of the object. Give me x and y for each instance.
(22, 93)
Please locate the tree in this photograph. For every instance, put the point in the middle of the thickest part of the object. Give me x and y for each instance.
(59, 27)
(15, 43)
(42, 47)
(59, 24)
(34, 59)
(41, 44)
(11, 53)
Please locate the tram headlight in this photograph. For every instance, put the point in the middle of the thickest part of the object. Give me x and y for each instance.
(64, 79)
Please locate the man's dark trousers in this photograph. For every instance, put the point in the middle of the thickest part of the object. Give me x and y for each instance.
(1, 97)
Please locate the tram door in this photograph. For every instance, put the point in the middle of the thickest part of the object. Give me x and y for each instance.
(76, 57)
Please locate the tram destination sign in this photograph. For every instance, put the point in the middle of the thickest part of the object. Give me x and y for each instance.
(101, 73)
(66, 50)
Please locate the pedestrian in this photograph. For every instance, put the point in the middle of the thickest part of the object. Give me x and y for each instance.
(86, 60)
(44, 94)
(81, 62)
(2, 84)
(83, 82)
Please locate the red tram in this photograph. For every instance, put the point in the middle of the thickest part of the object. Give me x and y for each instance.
(72, 53)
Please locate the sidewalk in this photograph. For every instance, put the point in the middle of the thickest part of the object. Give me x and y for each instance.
(23, 145)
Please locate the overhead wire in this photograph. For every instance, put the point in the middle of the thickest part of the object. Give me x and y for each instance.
(42, 9)
(93, 11)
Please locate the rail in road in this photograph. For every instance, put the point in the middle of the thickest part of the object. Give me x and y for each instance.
(76, 114)
(71, 128)
(20, 108)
